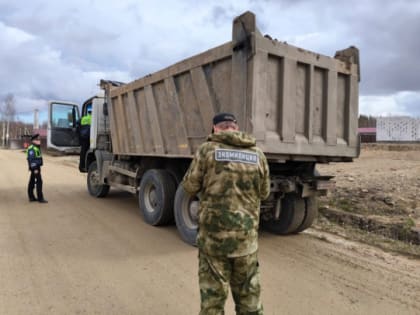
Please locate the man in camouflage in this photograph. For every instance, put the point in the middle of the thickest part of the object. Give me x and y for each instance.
(232, 176)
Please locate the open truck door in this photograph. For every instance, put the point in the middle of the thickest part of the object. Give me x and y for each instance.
(63, 118)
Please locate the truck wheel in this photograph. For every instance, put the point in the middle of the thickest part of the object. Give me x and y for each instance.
(95, 187)
(156, 197)
(186, 218)
(311, 212)
(292, 214)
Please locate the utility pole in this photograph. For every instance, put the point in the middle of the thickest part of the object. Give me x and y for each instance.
(36, 119)
(7, 132)
(3, 135)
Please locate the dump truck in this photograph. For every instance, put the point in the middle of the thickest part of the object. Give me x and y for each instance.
(301, 106)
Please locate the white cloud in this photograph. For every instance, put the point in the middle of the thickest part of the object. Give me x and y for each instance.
(399, 104)
(379, 106)
(12, 36)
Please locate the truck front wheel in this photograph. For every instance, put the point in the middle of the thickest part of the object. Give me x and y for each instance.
(95, 187)
(186, 215)
(156, 197)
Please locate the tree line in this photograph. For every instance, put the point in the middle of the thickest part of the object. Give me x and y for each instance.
(367, 121)
(10, 126)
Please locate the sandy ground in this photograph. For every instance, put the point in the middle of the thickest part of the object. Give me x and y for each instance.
(380, 190)
(381, 182)
(81, 255)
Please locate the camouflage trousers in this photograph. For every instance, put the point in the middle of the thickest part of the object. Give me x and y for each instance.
(241, 274)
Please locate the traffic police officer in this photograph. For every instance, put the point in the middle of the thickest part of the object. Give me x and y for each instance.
(232, 176)
(34, 157)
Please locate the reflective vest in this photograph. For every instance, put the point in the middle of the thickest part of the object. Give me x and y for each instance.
(34, 156)
(36, 150)
(86, 120)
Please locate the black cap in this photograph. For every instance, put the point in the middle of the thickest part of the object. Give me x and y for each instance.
(221, 117)
(35, 137)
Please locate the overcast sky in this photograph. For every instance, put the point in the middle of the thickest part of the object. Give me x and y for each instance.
(61, 49)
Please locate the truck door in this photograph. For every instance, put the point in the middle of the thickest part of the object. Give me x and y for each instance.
(63, 118)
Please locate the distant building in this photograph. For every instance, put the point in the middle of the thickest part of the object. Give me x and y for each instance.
(398, 129)
(367, 134)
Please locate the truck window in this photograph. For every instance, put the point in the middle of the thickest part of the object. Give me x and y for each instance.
(62, 116)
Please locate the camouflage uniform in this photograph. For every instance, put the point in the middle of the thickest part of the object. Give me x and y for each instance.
(232, 175)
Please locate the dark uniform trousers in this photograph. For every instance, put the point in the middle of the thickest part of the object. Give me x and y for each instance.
(35, 180)
(84, 147)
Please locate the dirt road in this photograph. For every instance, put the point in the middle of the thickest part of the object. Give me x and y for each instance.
(81, 255)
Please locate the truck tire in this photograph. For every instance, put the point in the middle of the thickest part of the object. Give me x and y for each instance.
(156, 197)
(186, 219)
(95, 187)
(292, 214)
(311, 213)
(311, 210)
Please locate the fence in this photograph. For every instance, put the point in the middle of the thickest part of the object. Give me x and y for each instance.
(405, 129)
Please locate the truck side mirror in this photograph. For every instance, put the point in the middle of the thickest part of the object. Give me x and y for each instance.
(105, 109)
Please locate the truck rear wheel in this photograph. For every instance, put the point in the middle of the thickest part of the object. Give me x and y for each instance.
(186, 215)
(311, 212)
(95, 187)
(156, 197)
(290, 218)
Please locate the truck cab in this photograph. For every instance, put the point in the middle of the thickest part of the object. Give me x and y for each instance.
(64, 122)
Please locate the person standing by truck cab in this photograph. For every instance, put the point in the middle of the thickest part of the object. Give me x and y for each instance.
(84, 137)
(232, 176)
(34, 157)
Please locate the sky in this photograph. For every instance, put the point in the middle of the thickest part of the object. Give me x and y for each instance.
(59, 50)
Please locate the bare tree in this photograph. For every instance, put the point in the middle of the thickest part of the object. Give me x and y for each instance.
(8, 108)
(8, 115)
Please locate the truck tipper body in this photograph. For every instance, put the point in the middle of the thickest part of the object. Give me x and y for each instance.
(302, 108)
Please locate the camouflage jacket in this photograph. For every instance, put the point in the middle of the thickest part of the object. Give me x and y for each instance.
(232, 176)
